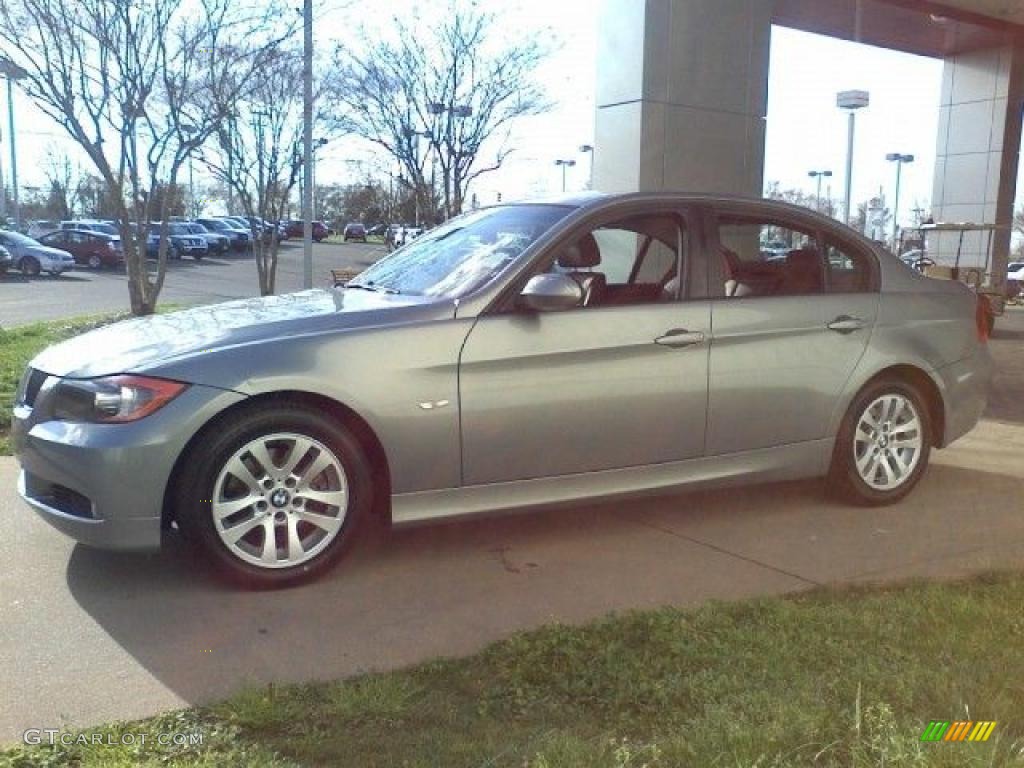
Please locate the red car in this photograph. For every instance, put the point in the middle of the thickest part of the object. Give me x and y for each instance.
(294, 229)
(94, 249)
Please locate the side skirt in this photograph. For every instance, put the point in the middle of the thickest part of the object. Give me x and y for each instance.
(784, 462)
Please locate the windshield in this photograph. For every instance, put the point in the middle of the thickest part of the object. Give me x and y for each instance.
(464, 254)
(16, 238)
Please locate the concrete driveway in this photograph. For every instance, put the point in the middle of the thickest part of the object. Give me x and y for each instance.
(89, 636)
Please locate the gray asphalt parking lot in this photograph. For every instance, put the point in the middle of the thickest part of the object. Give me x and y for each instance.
(92, 636)
(85, 292)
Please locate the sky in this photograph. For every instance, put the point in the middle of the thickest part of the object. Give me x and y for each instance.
(805, 129)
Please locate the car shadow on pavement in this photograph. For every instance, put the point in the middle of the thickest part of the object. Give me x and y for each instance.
(449, 589)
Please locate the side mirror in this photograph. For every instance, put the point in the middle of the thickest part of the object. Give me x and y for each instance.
(551, 293)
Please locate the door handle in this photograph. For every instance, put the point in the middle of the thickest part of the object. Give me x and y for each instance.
(679, 338)
(846, 324)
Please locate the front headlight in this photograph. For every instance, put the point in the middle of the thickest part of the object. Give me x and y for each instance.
(112, 399)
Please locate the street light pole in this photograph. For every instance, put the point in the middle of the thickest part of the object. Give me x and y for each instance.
(565, 164)
(15, 208)
(851, 101)
(819, 175)
(589, 149)
(899, 159)
(307, 144)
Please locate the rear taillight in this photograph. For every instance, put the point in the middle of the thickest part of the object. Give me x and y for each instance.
(982, 318)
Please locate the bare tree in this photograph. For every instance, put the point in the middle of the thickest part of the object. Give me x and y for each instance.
(257, 152)
(132, 83)
(458, 85)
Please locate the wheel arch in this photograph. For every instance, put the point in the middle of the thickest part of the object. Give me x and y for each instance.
(339, 412)
(922, 381)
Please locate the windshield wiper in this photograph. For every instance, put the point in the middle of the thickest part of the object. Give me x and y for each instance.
(372, 287)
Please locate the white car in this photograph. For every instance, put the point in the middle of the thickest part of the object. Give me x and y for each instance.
(404, 235)
(32, 257)
(1015, 271)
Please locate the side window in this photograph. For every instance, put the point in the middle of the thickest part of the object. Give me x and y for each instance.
(764, 257)
(635, 260)
(849, 271)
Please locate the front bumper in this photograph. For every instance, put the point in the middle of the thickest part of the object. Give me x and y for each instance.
(104, 484)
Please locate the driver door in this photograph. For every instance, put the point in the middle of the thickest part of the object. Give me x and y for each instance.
(620, 382)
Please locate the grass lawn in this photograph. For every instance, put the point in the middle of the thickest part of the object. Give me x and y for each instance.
(845, 678)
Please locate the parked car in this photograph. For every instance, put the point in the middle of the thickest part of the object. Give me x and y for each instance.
(916, 259)
(32, 257)
(239, 238)
(295, 229)
(1015, 271)
(378, 230)
(215, 241)
(354, 231)
(181, 241)
(6, 260)
(94, 249)
(37, 229)
(91, 225)
(516, 356)
(403, 235)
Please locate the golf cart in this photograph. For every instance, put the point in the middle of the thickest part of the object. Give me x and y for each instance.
(991, 288)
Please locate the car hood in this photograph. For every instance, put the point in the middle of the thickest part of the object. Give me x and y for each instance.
(134, 346)
(46, 250)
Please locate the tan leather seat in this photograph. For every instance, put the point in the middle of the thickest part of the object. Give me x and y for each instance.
(585, 254)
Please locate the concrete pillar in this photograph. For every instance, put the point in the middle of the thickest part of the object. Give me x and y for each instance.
(682, 94)
(979, 151)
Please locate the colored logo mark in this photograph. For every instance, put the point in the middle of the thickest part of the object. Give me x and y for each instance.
(958, 730)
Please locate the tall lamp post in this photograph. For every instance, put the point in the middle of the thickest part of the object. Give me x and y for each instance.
(851, 101)
(819, 175)
(896, 157)
(415, 135)
(588, 149)
(565, 164)
(455, 111)
(12, 72)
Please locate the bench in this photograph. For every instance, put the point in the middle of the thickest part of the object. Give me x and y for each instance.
(341, 276)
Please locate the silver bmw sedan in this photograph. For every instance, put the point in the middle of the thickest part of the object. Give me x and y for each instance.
(518, 356)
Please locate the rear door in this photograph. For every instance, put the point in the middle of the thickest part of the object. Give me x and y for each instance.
(788, 328)
(620, 382)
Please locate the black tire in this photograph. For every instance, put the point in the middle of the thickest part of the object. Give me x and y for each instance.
(30, 266)
(845, 479)
(197, 256)
(194, 508)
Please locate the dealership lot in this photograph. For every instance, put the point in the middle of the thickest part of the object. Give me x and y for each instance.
(217, 278)
(82, 626)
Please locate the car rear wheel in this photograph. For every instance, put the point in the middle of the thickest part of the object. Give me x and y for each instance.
(30, 266)
(95, 262)
(884, 444)
(274, 497)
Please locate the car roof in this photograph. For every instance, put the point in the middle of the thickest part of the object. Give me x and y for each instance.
(598, 200)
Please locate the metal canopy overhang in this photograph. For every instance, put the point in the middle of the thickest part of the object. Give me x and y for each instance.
(922, 27)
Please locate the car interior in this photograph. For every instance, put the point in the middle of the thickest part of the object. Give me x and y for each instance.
(630, 262)
(750, 271)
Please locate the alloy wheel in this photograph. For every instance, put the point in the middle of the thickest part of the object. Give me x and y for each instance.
(280, 500)
(94, 261)
(887, 442)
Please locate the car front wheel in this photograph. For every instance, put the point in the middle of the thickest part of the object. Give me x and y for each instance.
(884, 444)
(94, 261)
(274, 497)
(30, 266)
